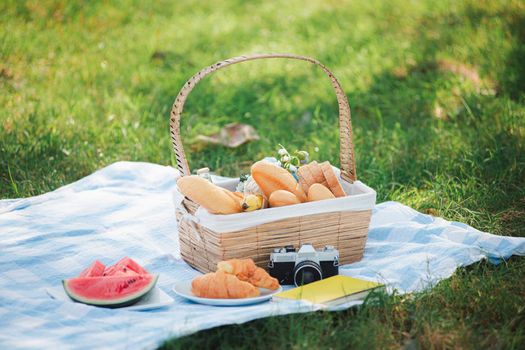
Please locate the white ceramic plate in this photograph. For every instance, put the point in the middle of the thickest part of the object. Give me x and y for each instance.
(153, 300)
(183, 289)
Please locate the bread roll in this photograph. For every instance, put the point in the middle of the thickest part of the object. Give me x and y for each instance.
(318, 192)
(281, 198)
(213, 198)
(271, 178)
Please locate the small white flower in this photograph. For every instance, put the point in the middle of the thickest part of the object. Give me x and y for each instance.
(282, 152)
(240, 187)
(285, 159)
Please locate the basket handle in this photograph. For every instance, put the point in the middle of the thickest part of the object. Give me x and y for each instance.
(345, 126)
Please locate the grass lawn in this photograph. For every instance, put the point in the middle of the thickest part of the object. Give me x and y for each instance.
(437, 91)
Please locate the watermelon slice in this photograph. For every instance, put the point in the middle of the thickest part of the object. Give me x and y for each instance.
(110, 291)
(125, 267)
(96, 269)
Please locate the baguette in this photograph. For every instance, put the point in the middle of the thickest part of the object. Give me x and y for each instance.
(271, 178)
(235, 195)
(213, 198)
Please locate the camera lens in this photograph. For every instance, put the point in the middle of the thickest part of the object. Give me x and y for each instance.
(307, 271)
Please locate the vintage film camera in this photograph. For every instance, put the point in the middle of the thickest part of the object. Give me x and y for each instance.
(304, 266)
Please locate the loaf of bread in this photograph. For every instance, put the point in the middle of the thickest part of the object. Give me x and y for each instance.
(238, 196)
(305, 177)
(213, 198)
(281, 198)
(271, 178)
(331, 179)
(318, 192)
(317, 173)
(310, 174)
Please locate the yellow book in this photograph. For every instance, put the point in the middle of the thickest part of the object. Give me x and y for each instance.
(331, 291)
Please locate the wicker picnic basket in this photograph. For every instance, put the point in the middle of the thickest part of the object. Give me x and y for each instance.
(346, 230)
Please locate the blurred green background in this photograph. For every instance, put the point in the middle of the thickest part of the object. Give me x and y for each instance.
(437, 95)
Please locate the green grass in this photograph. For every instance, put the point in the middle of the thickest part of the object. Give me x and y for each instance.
(437, 91)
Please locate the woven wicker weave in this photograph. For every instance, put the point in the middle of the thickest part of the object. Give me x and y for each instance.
(345, 230)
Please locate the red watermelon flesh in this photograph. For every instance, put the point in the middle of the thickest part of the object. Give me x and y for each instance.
(95, 269)
(110, 291)
(125, 267)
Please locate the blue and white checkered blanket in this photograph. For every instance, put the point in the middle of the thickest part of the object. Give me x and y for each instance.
(126, 209)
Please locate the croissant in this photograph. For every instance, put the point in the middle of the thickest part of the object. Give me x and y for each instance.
(246, 270)
(220, 285)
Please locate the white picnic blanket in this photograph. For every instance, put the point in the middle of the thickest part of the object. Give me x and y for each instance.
(126, 209)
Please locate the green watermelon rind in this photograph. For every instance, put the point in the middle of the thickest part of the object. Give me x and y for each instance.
(114, 303)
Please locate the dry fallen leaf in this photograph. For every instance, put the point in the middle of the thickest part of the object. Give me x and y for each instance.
(400, 72)
(231, 135)
(432, 211)
(467, 72)
(439, 112)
